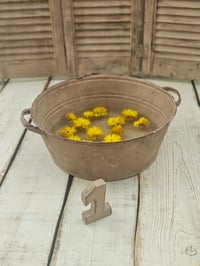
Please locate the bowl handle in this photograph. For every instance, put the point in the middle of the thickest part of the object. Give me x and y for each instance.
(27, 124)
(172, 90)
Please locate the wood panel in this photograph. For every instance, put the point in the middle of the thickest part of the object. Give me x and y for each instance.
(16, 96)
(30, 202)
(108, 241)
(100, 37)
(33, 190)
(168, 228)
(31, 39)
(171, 39)
(197, 90)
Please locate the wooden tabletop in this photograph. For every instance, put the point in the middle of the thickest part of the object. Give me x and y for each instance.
(155, 217)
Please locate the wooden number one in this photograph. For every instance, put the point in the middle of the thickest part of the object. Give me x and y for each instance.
(95, 194)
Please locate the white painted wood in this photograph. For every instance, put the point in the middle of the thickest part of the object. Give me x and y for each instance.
(169, 220)
(30, 201)
(1, 84)
(197, 84)
(107, 242)
(56, 81)
(16, 96)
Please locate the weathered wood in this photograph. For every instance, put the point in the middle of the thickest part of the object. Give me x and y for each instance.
(177, 42)
(148, 35)
(109, 241)
(69, 35)
(168, 228)
(43, 29)
(91, 3)
(106, 27)
(197, 87)
(91, 64)
(118, 10)
(32, 183)
(166, 67)
(26, 5)
(30, 202)
(137, 12)
(17, 95)
(55, 8)
(181, 4)
(171, 39)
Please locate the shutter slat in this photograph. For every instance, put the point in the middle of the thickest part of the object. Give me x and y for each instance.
(103, 3)
(102, 33)
(9, 51)
(175, 11)
(177, 42)
(102, 26)
(177, 50)
(177, 27)
(98, 18)
(104, 40)
(22, 1)
(104, 47)
(23, 28)
(31, 21)
(26, 36)
(181, 4)
(28, 57)
(102, 11)
(178, 19)
(178, 35)
(25, 13)
(11, 6)
(26, 43)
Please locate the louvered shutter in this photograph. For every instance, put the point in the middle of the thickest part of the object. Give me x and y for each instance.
(31, 38)
(172, 38)
(102, 35)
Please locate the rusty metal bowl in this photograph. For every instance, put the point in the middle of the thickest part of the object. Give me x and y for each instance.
(92, 160)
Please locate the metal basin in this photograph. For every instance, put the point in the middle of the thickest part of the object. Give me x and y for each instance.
(92, 160)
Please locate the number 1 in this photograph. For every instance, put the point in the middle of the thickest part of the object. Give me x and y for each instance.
(95, 194)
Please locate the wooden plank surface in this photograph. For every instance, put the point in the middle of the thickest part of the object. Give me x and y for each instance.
(32, 192)
(168, 231)
(16, 96)
(109, 241)
(30, 201)
(167, 226)
(197, 90)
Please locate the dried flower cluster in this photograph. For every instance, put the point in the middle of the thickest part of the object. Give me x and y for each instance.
(94, 133)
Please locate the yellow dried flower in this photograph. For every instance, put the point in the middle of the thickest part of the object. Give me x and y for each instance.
(70, 116)
(88, 114)
(100, 111)
(94, 133)
(75, 137)
(81, 122)
(129, 114)
(115, 120)
(142, 122)
(67, 131)
(112, 138)
(118, 129)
